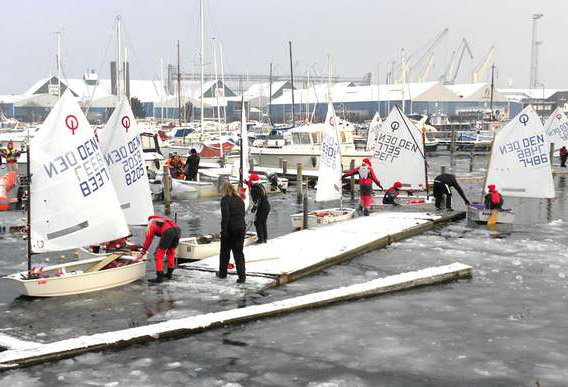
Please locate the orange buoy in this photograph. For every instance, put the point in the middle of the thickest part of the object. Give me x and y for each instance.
(6, 184)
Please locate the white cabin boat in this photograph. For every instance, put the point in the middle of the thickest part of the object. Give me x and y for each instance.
(198, 247)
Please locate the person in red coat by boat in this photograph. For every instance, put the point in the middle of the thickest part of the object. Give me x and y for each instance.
(392, 194)
(493, 199)
(366, 179)
(169, 233)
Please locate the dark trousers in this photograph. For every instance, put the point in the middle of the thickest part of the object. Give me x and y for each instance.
(260, 225)
(233, 242)
(563, 161)
(441, 190)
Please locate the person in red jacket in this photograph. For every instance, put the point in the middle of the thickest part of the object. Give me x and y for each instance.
(169, 233)
(366, 179)
(493, 199)
(392, 194)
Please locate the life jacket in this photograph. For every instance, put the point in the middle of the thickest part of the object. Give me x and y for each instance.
(496, 199)
(10, 155)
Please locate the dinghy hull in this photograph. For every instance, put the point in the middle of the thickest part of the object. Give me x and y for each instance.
(189, 250)
(74, 278)
(325, 216)
(476, 213)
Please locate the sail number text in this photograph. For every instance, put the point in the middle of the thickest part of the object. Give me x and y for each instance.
(530, 151)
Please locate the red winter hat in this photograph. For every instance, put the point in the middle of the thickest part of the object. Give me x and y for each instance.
(367, 161)
(253, 177)
(397, 184)
(491, 187)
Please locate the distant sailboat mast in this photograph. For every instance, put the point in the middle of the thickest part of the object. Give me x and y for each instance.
(201, 59)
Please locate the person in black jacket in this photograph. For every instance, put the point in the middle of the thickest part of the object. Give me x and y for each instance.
(442, 187)
(233, 229)
(261, 207)
(192, 165)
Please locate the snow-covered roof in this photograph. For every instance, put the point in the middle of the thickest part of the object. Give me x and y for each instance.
(480, 91)
(263, 89)
(418, 91)
(520, 94)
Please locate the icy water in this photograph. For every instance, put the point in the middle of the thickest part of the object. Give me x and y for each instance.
(504, 327)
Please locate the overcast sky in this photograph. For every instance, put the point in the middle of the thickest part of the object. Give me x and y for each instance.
(359, 34)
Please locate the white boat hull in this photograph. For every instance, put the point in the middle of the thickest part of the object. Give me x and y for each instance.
(186, 189)
(72, 278)
(325, 216)
(270, 158)
(403, 201)
(188, 248)
(477, 213)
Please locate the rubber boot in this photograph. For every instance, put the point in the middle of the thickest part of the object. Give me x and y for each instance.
(365, 212)
(159, 278)
(241, 280)
(169, 274)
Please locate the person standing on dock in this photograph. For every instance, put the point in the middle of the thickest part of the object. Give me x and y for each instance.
(563, 156)
(11, 155)
(169, 233)
(192, 165)
(366, 179)
(442, 187)
(392, 194)
(261, 207)
(233, 229)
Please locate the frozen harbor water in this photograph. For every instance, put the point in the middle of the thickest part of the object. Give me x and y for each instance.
(503, 327)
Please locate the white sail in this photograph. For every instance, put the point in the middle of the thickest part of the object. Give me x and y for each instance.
(374, 128)
(73, 201)
(122, 151)
(556, 127)
(519, 164)
(398, 153)
(245, 153)
(329, 175)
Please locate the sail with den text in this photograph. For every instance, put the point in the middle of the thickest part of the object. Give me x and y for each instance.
(86, 162)
(130, 156)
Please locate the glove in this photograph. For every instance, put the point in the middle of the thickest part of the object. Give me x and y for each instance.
(253, 209)
(466, 202)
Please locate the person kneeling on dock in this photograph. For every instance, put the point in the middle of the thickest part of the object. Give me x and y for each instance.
(169, 233)
(366, 179)
(442, 187)
(261, 207)
(392, 194)
(233, 229)
(493, 199)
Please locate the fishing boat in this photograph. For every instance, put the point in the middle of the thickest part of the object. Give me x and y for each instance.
(202, 246)
(399, 155)
(519, 166)
(68, 180)
(329, 178)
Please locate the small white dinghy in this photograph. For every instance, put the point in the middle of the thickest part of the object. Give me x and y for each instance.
(329, 179)
(202, 246)
(326, 216)
(69, 181)
(519, 166)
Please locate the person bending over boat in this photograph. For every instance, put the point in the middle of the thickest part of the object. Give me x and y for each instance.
(366, 179)
(261, 207)
(442, 187)
(233, 229)
(392, 194)
(169, 233)
(493, 199)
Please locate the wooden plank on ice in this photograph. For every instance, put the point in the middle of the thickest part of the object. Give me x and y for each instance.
(190, 325)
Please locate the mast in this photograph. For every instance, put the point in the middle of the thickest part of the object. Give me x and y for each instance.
(118, 57)
(29, 207)
(270, 94)
(403, 77)
(162, 88)
(179, 86)
(58, 62)
(492, 88)
(243, 124)
(201, 5)
(425, 162)
(223, 79)
(379, 89)
(292, 83)
(217, 96)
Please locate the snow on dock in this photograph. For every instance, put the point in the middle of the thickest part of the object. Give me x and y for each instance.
(71, 347)
(301, 253)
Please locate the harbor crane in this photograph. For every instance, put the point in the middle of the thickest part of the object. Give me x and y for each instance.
(479, 73)
(452, 71)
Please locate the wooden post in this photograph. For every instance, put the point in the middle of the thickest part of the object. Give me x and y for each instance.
(471, 157)
(299, 181)
(280, 161)
(167, 189)
(284, 167)
(443, 170)
(551, 154)
(352, 180)
(452, 148)
(305, 205)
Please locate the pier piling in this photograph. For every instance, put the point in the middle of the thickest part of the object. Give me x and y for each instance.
(305, 206)
(352, 180)
(299, 181)
(284, 167)
(167, 190)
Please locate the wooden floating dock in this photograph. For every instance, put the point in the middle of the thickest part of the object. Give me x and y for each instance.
(27, 356)
(295, 255)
